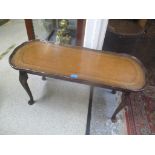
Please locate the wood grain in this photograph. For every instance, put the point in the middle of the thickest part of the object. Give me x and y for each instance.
(106, 68)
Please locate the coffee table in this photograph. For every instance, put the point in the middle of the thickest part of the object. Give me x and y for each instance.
(76, 64)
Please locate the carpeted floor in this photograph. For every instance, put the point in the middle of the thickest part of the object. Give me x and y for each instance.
(61, 107)
(140, 113)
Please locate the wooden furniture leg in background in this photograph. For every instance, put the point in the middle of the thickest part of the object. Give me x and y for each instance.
(80, 31)
(123, 103)
(30, 33)
(29, 29)
(23, 80)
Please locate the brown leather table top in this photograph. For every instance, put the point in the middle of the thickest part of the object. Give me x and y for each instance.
(105, 68)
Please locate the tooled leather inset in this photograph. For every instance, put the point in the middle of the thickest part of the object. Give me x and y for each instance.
(106, 68)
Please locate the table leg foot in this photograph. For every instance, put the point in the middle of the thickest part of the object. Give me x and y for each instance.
(44, 78)
(31, 102)
(23, 80)
(113, 119)
(123, 103)
(113, 91)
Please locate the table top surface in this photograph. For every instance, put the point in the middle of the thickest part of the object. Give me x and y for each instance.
(79, 64)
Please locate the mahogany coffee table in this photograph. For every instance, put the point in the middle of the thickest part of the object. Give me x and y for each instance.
(102, 69)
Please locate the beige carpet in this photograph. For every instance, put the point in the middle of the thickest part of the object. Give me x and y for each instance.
(61, 107)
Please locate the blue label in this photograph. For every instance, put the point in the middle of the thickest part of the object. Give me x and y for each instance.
(74, 76)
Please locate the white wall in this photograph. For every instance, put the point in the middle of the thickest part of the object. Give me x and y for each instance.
(41, 32)
(95, 33)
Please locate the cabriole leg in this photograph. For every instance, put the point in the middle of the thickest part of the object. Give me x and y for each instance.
(23, 80)
(123, 103)
(44, 78)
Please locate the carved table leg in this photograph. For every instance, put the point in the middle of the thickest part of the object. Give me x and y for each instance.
(44, 78)
(23, 80)
(123, 103)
